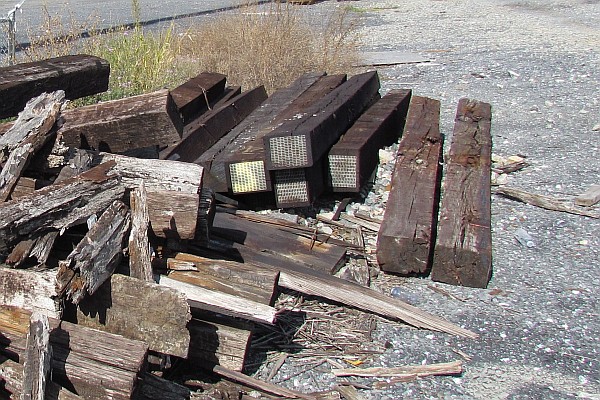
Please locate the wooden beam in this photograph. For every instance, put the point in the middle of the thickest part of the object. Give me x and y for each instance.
(195, 96)
(77, 75)
(140, 262)
(463, 252)
(29, 290)
(119, 125)
(300, 142)
(96, 256)
(255, 122)
(36, 366)
(206, 130)
(173, 215)
(158, 316)
(354, 157)
(405, 239)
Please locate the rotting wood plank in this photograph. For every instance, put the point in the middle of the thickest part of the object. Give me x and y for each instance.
(60, 206)
(119, 125)
(140, 261)
(160, 324)
(36, 365)
(354, 157)
(29, 290)
(26, 185)
(296, 248)
(156, 174)
(194, 96)
(405, 239)
(300, 142)
(33, 251)
(173, 215)
(463, 252)
(203, 132)
(245, 166)
(96, 256)
(257, 120)
(220, 302)
(77, 75)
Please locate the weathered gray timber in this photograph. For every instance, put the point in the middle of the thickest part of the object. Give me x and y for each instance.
(58, 207)
(140, 261)
(405, 239)
(203, 132)
(195, 96)
(173, 215)
(354, 157)
(96, 256)
(36, 365)
(463, 252)
(158, 316)
(29, 290)
(300, 142)
(255, 122)
(156, 174)
(245, 166)
(115, 126)
(76, 75)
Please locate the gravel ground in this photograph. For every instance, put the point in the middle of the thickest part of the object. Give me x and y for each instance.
(537, 63)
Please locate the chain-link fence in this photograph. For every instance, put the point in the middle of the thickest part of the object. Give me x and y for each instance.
(8, 31)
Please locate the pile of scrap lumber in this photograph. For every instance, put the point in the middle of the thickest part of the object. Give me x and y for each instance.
(108, 208)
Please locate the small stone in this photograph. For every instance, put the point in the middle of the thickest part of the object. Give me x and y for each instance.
(596, 128)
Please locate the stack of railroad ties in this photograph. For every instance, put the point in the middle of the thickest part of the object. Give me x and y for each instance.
(109, 207)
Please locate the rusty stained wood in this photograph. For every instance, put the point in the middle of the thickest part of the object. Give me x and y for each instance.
(256, 121)
(96, 256)
(463, 252)
(356, 154)
(206, 130)
(36, 365)
(29, 290)
(406, 234)
(245, 165)
(300, 142)
(173, 215)
(120, 125)
(60, 206)
(140, 261)
(195, 96)
(158, 316)
(77, 75)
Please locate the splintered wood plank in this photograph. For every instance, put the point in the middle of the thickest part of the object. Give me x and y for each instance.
(139, 310)
(29, 290)
(406, 234)
(140, 261)
(220, 302)
(251, 283)
(36, 366)
(26, 185)
(76, 75)
(194, 96)
(255, 122)
(300, 142)
(60, 206)
(245, 166)
(96, 256)
(203, 132)
(173, 215)
(463, 252)
(353, 159)
(156, 174)
(223, 342)
(33, 251)
(115, 126)
(265, 238)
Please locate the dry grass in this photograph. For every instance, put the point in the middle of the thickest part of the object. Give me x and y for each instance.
(270, 45)
(273, 45)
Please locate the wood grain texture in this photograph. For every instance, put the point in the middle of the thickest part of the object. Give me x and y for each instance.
(406, 234)
(36, 365)
(77, 75)
(115, 126)
(29, 290)
(463, 252)
(139, 310)
(140, 262)
(173, 215)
